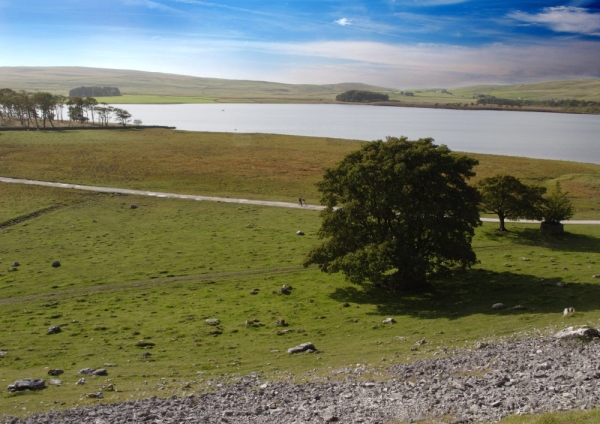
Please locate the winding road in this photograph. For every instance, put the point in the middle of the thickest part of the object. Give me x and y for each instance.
(212, 198)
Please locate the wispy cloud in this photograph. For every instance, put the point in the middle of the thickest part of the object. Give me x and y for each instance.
(154, 6)
(343, 21)
(426, 3)
(571, 19)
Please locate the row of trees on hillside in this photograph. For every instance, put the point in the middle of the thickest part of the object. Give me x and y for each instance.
(362, 96)
(31, 108)
(399, 211)
(484, 99)
(94, 91)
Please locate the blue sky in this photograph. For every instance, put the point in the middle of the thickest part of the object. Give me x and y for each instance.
(392, 43)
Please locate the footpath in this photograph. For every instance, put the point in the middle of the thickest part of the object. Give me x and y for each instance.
(216, 199)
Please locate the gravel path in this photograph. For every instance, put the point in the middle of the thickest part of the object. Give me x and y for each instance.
(484, 385)
(215, 199)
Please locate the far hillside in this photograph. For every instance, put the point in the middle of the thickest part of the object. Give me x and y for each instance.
(154, 87)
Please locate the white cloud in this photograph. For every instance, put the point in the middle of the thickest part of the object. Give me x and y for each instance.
(572, 19)
(343, 21)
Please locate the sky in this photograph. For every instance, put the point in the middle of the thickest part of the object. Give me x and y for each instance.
(391, 43)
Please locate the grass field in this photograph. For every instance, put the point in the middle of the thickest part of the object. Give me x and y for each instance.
(136, 285)
(258, 166)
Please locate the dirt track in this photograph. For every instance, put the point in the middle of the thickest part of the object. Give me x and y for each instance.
(211, 198)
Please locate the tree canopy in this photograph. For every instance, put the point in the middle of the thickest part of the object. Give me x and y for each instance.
(94, 91)
(507, 197)
(362, 96)
(557, 207)
(397, 212)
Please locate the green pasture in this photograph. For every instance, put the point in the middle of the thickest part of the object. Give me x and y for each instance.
(135, 286)
(152, 99)
(256, 166)
(143, 281)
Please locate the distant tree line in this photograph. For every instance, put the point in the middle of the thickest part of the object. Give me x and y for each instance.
(94, 91)
(484, 99)
(31, 108)
(362, 96)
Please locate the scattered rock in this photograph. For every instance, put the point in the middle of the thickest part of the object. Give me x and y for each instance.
(519, 307)
(285, 289)
(420, 342)
(482, 345)
(300, 233)
(86, 371)
(389, 321)
(516, 377)
(254, 291)
(15, 264)
(81, 381)
(55, 383)
(498, 306)
(133, 206)
(577, 333)
(54, 329)
(100, 372)
(568, 311)
(561, 284)
(98, 395)
(254, 323)
(345, 305)
(596, 276)
(3, 353)
(281, 322)
(55, 264)
(107, 388)
(54, 372)
(145, 344)
(304, 347)
(525, 259)
(212, 321)
(27, 384)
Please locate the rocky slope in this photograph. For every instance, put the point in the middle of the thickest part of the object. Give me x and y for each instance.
(483, 385)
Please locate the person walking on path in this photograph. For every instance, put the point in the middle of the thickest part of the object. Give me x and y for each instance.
(300, 201)
(303, 202)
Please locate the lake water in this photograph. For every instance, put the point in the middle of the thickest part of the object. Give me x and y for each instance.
(528, 134)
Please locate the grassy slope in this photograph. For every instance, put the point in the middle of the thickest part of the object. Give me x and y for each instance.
(152, 87)
(157, 272)
(259, 166)
(60, 80)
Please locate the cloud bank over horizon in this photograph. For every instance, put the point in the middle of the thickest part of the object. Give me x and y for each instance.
(391, 43)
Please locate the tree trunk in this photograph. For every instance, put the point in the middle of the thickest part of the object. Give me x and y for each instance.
(501, 227)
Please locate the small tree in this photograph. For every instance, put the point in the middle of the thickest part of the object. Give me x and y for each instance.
(557, 207)
(507, 197)
(396, 212)
(137, 122)
(122, 115)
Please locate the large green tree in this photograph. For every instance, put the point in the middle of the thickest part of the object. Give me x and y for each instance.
(507, 197)
(396, 212)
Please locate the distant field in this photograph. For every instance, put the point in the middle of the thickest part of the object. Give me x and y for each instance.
(59, 80)
(152, 87)
(259, 166)
(149, 99)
